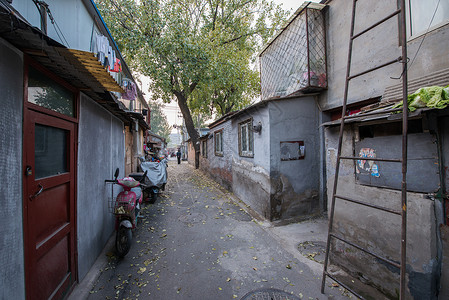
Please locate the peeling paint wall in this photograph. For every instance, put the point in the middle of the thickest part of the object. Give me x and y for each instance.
(219, 166)
(274, 189)
(251, 175)
(380, 232)
(12, 272)
(295, 183)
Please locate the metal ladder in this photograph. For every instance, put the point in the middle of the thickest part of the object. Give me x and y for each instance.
(400, 12)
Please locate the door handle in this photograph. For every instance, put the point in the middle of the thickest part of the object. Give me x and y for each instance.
(38, 192)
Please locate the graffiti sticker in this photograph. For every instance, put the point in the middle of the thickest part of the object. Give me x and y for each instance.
(365, 166)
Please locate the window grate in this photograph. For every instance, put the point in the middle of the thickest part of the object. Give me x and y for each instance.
(296, 60)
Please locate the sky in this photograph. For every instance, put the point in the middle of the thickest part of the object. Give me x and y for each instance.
(172, 111)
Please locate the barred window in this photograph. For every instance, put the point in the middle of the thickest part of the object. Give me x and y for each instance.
(246, 140)
(218, 139)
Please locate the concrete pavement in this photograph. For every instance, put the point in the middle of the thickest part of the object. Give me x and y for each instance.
(198, 242)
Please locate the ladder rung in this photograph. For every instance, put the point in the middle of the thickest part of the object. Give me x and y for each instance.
(388, 261)
(376, 24)
(343, 285)
(369, 158)
(369, 205)
(373, 113)
(375, 68)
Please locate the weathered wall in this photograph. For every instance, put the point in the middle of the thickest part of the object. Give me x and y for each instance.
(378, 231)
(220, 167)
(372, 49)
(100, 151)
(295, 183)
(12, 276)
(251, 175)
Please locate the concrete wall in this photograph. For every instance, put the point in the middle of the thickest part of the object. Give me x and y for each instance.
(374, 48)
(272, 188)
(12, 276)
(295, 183)
(71, 16)
(251, 175)
(100, 151)
(378, 231)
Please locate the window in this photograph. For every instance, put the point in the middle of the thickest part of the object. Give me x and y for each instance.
(45, 92)
(292, 150)
(204, 148)
(246, 141)
(218, 139)
(420, 14)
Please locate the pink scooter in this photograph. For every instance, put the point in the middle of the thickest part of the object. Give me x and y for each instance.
(126, 208)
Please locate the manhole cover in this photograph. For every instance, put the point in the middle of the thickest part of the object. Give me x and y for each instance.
(269, 294)
(315, 251)
(192, 218)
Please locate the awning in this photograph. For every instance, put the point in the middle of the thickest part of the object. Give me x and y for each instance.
(79, 68)
(90, 67)
(382, 113)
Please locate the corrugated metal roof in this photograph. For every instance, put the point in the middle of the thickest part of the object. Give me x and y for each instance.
(394, 93)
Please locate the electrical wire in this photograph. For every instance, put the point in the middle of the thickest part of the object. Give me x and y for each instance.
(56, 27)
(58, 30)
(424, 37)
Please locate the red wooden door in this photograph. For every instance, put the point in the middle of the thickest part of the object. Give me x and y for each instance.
(49, 205)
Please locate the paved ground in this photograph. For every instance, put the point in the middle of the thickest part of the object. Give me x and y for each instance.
(197, 243)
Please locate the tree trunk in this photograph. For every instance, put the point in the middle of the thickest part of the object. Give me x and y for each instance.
(194, 135)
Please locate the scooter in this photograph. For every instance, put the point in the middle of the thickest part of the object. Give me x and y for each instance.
(155, 178)
(126, 208)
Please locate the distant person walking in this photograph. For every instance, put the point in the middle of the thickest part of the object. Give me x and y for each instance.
(178, 155)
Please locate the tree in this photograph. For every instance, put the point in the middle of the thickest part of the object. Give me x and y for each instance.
(159, 124)
(196, 50)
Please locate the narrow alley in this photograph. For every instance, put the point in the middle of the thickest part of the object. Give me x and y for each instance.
(196, 243)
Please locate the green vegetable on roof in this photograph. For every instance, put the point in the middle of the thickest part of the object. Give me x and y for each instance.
(432, 97)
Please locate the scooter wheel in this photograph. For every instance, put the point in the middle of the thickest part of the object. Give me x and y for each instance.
(153, 197)
(123, 241)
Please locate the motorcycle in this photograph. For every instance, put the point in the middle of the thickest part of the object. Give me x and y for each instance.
(155, 178)
(126, 208)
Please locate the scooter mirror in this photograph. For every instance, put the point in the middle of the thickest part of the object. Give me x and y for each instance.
(116, 173)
